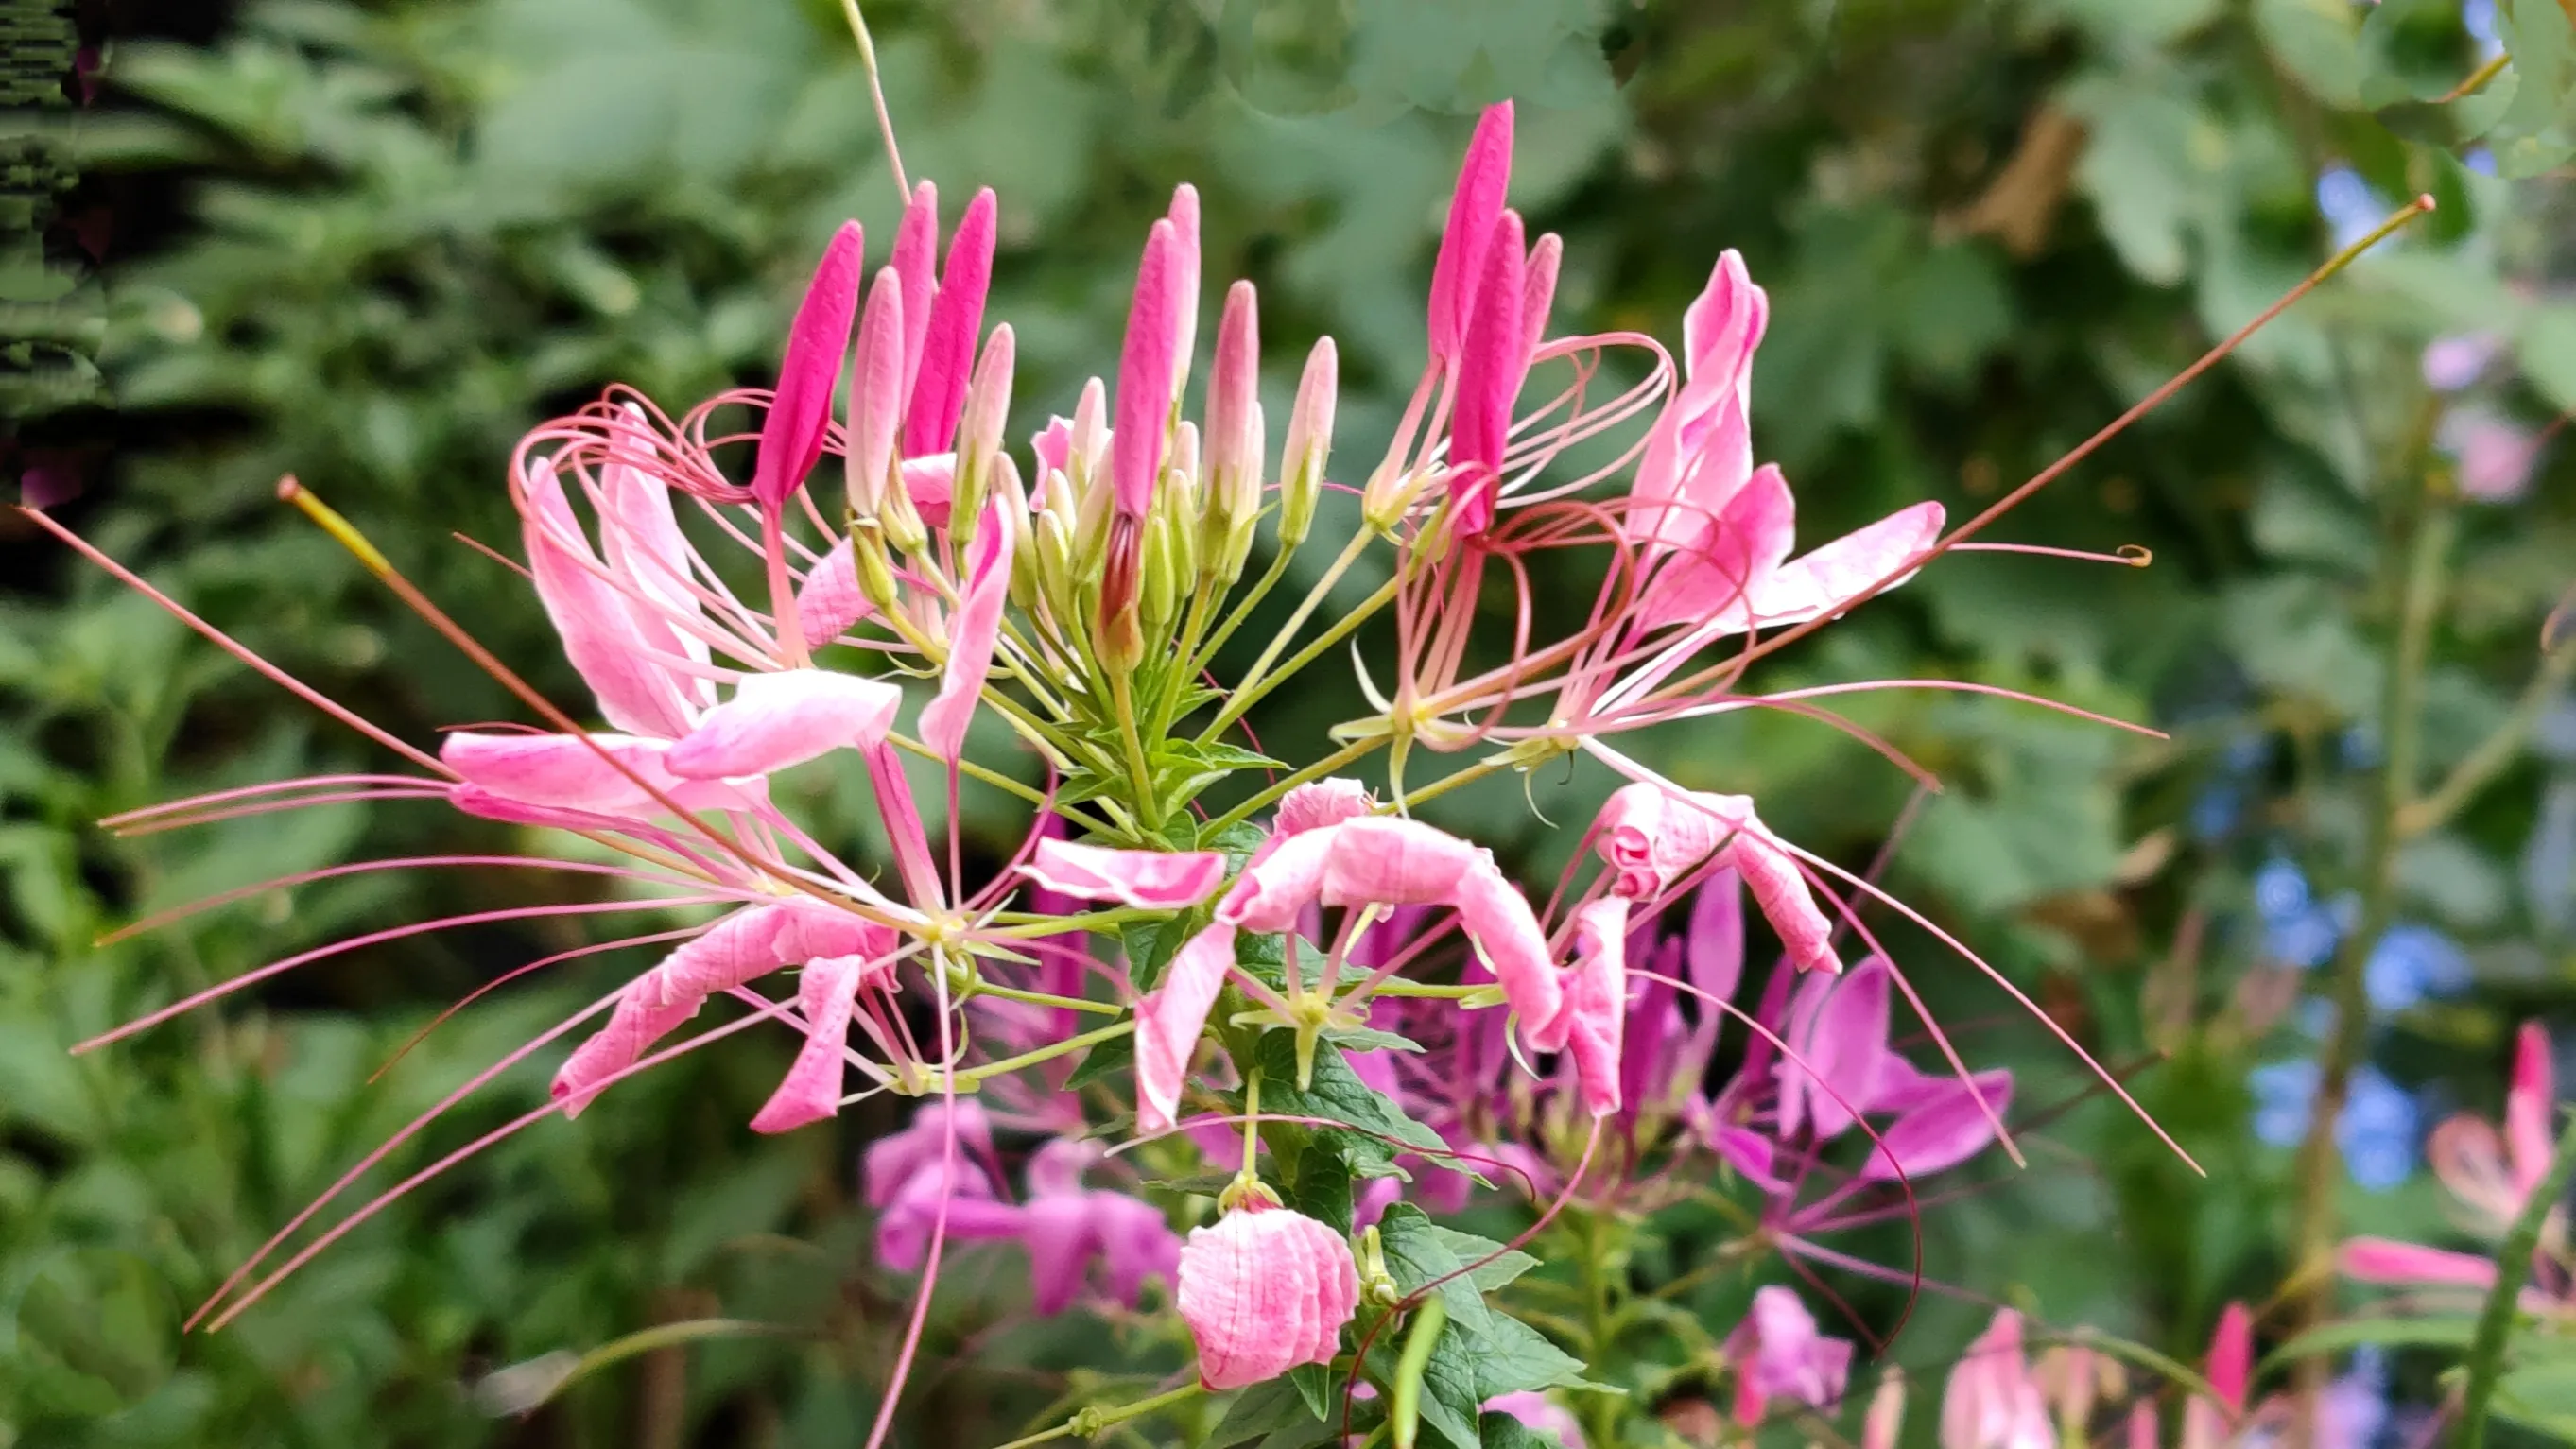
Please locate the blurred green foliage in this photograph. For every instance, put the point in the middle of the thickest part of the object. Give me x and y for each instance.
(418, 228)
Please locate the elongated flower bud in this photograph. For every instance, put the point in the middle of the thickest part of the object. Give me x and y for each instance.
(876, 398)
(1184, 283)
(979, 441)
(1233, 413)
(1118, 635)
(1145, 371)
(1054, 552)
(1159, 591)
(1490, 366)
(916, 250)
(791, 435)
(1309, 443)
(939, 383)
(1483, 178)
(1222, 553)
(1538, 290)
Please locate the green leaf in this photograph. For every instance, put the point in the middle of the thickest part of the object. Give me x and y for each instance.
(1322, 1189)
(1273, 1409)
(1502, 1431)
(1151, 945)
(1369, 1039)
(1314, 1384)
(2542, 1396)
(1336, 1094)
(1449, 1404)
(1513, 1356)
(2316, 41)
(1114, 1055)
(2546, 346)
(1418, 1255)
(2446, 1330)
(1506, 1263)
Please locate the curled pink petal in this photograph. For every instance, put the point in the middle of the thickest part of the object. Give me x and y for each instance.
(1484, 176)
(1145, 372)
(1385, 860)
(1500, 925)
(811, 1090)
(777, 720)
(1726, 566)
(948, 343)
(1168, 1022)
(1287, 876)
(1596, 1002)
(1826, 580)
(1724, 324)
(597, 623)
(1780, 889)
(791, 436)
(830, 602)
(734, 950)
(973, 630)
(1151, 879)
(1264, 1290)
(1778, 1356)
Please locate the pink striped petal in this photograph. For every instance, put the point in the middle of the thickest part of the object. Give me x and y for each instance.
(811, 1090)
(2528, 1103)
(1169, 1019)
(916, 251)
(1484, 176)
(830, 602)
(1780, 889)
(734, 950)
(1505, 932)
(1287, 876)
(1490, 368)
(973, 629)
(1145, 371)
(596, 622)
(876, 395)
(1838, 1024)
(1321, 803)
(777, 720)
(1149, 879)
(565, 771)
(1724, 324)
(1596, 1002)
(791, 436)
(1826, 579)
(956, 320)
(1384, 860)
(1262, 1291)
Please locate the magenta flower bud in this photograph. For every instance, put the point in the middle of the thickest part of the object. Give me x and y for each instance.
(940, 385)
(791, 436)
(916, 248)
(1264, 1290)
(1145, 373)
(876, 396)
(1538, 291)
(1474, 208)
(1490, 367)
(1309, 443)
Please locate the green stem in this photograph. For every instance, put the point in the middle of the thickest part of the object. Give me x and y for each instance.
(1261, 587)
(2415, 547)
(1087, 1423)
(1138, 773)
(1049, 1052)
(1602, 1409)
(1040, 998)
(2480, 766)
(1250, 692)
(1178, 678)
(1316, 771)
(1306, 607)
(2513, 1268)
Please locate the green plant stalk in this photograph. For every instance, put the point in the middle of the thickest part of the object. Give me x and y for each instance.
(1602, 1410)
(1250, 693)
(1242, 610)
(2513, 1268)
(1148, 815)
(1088, 1423)
(1049, 1052)
(1177, 678)
(2416, 546)
(1251, 686)
(1316, 771)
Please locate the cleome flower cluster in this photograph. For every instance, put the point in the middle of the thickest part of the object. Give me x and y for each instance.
(1351, 1014)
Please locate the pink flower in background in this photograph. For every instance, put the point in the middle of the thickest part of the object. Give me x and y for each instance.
(1777, 1356)
(1991, 1401)
(1545, 1417)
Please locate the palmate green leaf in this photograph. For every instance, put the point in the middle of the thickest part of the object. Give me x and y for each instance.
(1449, 1405)
(1496, 1266)
(1277, 1410)
(1114, 1055)
(1417, 1255)
(1321, 1188)
(1336, 1094)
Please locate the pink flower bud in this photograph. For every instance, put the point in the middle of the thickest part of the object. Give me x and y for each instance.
(916, 247)
(791, 436)
(1483, 178)
(956, 316)
(876, 396)
(1145, 372)
(1184, 284)
(1309, 442)
(1263, 1291)
(1234, 410)
(1491, 363)
(1538, 290)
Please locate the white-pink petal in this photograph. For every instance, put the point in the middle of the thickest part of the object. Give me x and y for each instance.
(777, 720)
(1151, 879)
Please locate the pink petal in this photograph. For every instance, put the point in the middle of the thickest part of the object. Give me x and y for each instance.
(831, 602)
(876, 395)
(956, 320)
(1263, 1291)
(2384, 1260)
(902, 817)
(1504, 931)
(896, 1159)
(1538, 290)
(811, 1090)
(1490, 369)
(564, 771)
(972, 632)
(777, 720)
(791, 436)
(1827, 579)
(1474, 207)
(734, 950)
(1779, 1356)
(1713, 948)
(2231, 1357)
(1321, 803)
(596, 622)
(1596, 1002)
(1061, 1242)
(1285, 877)
(1145, 370)
(1150, 879)
(1649, 837)
(1135, 1244)
(1780, 889)
(641, 539)
(1946, 1130)
(1184, 282)
(1839, 1026)
(916, 249)
(1168, 1022)
(1384, 860)
(1725, 568)
(2528, 1103)
(1724, 324)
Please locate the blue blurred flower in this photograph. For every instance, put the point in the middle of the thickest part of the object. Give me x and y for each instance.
(2359, 746)
(2246, 753)
(2410, 963)
(2316, 1017)
(2280, 890)
(2215, 812)
(2305, 940)
(2377, 1132)
(2478, 18)
(2346, 202)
